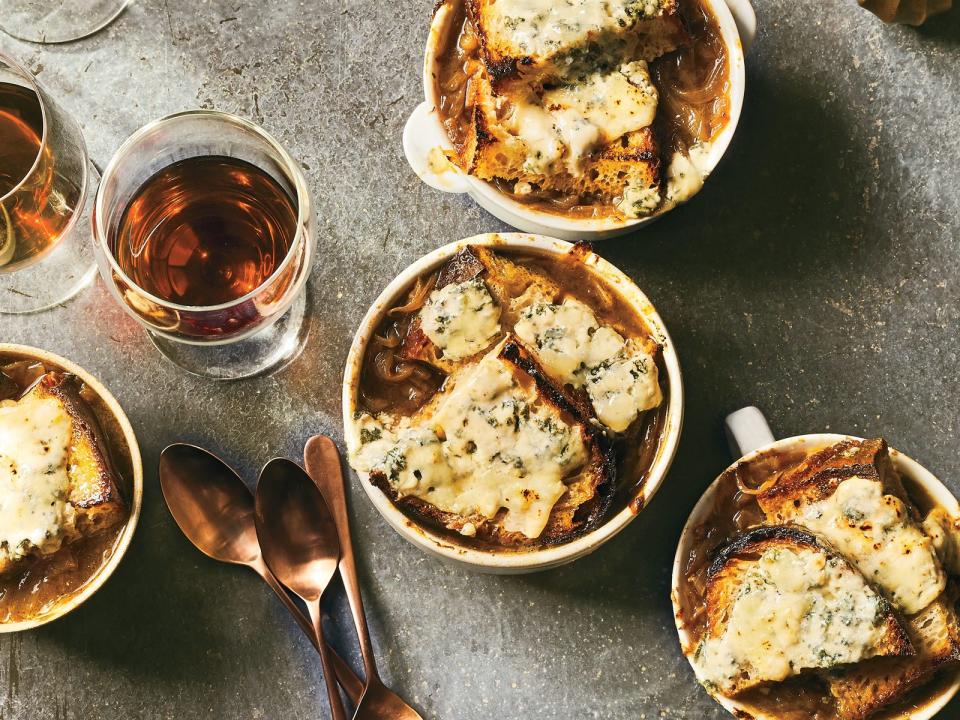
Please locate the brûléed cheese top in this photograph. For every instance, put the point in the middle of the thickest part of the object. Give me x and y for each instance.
(541, 28)
(620, 376)
(793, 610)
(35, 436)
(461, 319)
(490, 445)
(882, 540)
(562, 126)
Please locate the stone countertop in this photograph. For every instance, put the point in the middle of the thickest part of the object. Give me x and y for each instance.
(816, 276)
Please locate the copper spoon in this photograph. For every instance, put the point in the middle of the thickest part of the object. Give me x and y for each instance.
(322, 460)
(301, 547)
(214, 509)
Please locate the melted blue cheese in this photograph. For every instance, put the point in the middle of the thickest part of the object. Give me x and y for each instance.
(620, 377)
(877, 533)
(562, 126)
(34, 451)
(944, 532)
(461, 318)
(542, 28)
(491, 445)
(793, 610)
(687, 173)
(638, 200)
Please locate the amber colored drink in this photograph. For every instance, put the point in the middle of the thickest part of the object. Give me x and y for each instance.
(21, 133)
(205, 231)
(40, 202)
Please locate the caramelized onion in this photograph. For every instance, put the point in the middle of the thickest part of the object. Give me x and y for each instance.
(418, 296)
(747, 490)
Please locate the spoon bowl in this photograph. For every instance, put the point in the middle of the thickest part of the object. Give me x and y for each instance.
(210, 503)
(296, 531)
(215, 510)
(301, 546)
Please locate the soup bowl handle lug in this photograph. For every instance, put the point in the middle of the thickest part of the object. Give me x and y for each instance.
(747, 430)
(424, 141)
(746, 20)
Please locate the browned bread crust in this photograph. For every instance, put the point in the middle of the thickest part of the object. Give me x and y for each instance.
(650, 38)
(862, 690)
(490, 152)
(868, 687)
(580, 509)
(727, 567)
(817, 477)
(94, 486)
(94, 490)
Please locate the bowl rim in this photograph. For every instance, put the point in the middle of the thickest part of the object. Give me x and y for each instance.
(905, 465)
(96, 581)
(543, 558)
(476, 187)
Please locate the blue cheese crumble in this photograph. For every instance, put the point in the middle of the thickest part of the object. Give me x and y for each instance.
(878, 533)
(793, 610)
(461, 318)
(620, 376)
(491, 445)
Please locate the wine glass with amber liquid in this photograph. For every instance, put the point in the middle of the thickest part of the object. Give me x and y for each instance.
(46, 253)
(57, 21)
(204, 231)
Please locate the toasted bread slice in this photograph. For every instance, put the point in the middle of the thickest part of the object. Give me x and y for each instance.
(57, 478)
(511, 286)
(817, 477)
(538, 40)
(816, 493)
(500, 145)
(851, 494)
(587, 489)
(779, 602)
(614, 381)
(862, 690)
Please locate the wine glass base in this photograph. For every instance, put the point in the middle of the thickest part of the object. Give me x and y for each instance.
(60, 274)
(266, 352)
(58, 21)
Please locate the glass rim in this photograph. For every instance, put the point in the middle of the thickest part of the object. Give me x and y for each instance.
(35, 86)
(304, 207)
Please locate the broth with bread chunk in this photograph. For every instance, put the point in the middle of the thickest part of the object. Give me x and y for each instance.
(840, 661)
(509, 400)
(585, 109)
(65, 470)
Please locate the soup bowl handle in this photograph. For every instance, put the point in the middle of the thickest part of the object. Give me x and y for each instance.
(747, 430)
(746, 20)
(424, 141)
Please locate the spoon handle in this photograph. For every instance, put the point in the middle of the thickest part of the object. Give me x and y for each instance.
(333, 693)
(351, 684)
(322, 462)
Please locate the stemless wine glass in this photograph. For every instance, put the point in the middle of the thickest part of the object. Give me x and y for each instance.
(250, 334)
(46, 254)
(57, 21)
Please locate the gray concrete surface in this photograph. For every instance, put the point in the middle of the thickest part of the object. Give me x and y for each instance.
(816, 276)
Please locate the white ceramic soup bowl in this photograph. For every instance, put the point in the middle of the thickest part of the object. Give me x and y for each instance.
(514, 561)
(424, 134)
(749, 432)
(134, 482)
